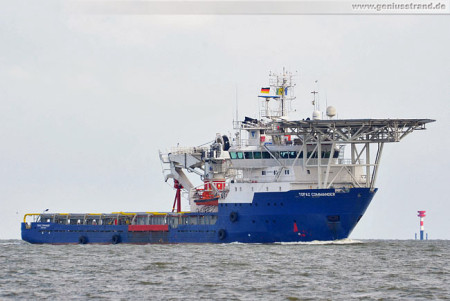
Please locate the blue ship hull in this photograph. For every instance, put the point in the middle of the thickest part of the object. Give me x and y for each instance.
(297, 215)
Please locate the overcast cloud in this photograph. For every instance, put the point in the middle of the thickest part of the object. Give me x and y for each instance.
(86, 102)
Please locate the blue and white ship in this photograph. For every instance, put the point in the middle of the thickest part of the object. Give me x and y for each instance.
(273, 180)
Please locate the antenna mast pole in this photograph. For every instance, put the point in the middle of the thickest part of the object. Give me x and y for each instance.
(314, 100)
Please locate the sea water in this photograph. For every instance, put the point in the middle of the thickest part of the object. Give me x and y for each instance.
(344, 270)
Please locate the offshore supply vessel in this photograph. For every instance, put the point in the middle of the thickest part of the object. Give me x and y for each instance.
(273, 180)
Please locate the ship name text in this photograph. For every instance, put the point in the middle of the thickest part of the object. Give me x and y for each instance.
(316, 194)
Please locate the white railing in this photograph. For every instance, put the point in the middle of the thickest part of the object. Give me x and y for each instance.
(187, 150)
(349, 161)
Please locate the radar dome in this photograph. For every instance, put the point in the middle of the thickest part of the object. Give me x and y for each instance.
(316, 115)
(331, 111)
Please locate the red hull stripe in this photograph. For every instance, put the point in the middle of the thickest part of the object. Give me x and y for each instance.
(208, 202)
(147, 228)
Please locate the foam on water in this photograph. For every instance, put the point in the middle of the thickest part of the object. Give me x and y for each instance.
(346, 241)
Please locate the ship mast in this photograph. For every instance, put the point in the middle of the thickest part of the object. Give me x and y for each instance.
(281, 91)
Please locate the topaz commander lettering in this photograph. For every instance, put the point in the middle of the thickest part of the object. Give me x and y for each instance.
(304, 194)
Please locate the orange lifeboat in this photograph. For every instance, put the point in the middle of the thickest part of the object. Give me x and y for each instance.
(209, 195)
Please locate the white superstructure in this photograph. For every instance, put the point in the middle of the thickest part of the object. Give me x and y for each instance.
(272, 154)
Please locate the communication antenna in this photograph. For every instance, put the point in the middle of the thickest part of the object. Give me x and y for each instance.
(314, 99)
(317, 115)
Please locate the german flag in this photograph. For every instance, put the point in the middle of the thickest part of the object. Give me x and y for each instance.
(265, 90)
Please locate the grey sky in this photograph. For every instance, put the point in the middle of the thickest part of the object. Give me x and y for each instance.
(86, 101)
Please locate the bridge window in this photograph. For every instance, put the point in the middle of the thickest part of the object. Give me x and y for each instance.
(233, 155)
(257, 155)
(263, 172)
(284, 155)
(248, 155)
(312, 155)
(240, 155)
(293, 155)
(266, 155)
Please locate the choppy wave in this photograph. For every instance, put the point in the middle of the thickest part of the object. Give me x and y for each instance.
(337, 270)
(11, 242)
